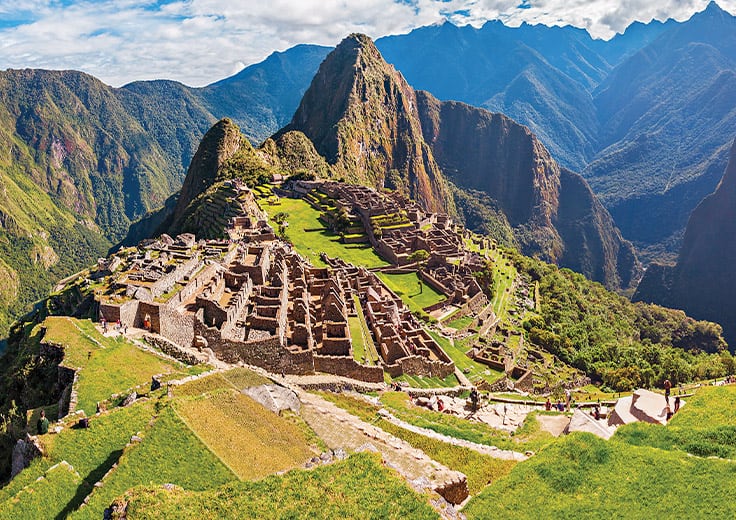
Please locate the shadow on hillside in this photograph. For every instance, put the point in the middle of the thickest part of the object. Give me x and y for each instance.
(87, 484)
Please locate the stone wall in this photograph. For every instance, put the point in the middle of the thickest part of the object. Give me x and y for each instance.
(435, 284)
(348, 367)
(269, 354)
(177, 327)
(420, 366)
(525, 382)
(198, 282)
(167, 281)
(172, 349)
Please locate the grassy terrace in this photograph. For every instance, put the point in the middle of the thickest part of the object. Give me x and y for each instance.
(407, 286)
(504, 274)
(586, 477)
(480, 469)
(472, 369)
(359, 487)
(428, 382)
(107, 365)
(252, 441)
(310, 237)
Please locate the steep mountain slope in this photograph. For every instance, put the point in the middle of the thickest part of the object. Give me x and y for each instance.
(666, 119)
(540, 76)
(552, 211)
(375, 129)
(262, 97)
(702, 282)
(361, 116)
(77, 167)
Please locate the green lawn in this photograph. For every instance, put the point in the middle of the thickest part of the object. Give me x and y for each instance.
(480, 469)
(42, 498)
(583, 476)
(705, 426)
(428, 382)
(107, 365)
(504, 274)
(310, 237)
(169, 453)
(362, 336)
(460, 323)
(91, 452)
(359, 487)
(250, 440)
(407, 287)
(472, 369)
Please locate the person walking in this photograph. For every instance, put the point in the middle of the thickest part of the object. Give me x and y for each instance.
(667, 389)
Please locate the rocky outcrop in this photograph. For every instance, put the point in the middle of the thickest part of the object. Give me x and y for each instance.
(24, 452)
(702, 283)
(361, 115)
(551, 210)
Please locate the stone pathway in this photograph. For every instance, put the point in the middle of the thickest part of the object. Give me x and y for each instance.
(340, 429)
(554, 424)
(484, 449)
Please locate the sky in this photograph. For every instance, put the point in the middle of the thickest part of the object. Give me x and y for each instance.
(199, 42)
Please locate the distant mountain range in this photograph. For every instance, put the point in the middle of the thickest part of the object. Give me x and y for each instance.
(647, 117)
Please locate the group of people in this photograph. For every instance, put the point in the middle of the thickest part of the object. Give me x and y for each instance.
(123, 329)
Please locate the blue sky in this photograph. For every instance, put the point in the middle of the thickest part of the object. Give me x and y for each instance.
(198, 42)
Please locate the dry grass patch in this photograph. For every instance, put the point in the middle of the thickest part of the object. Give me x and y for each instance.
(249, 439)
(242, 378)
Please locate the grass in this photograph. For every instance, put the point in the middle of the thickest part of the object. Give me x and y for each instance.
(460, 323)
(359, 487)
(242, 378)
(203, 385)
(106, 365)
(472, 369)
(406, 286)
(42, 498)
(252, 441)
(586, 477)
(91, 452)
(358, 340)
(504, 274)
(528, 437)
(480, 469)
(169, 453)
(369, 348)
(705, 426)
(428, 382)
(310, 244)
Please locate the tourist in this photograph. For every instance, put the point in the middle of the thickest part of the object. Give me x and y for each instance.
(568, 397)
(560, 407)
(667, 388)
(597, 413)
(677, 403)
(42, 426)
(548, 405)
(668, 412)
(440, 404)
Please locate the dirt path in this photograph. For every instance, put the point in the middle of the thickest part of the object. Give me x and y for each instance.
(339, 429)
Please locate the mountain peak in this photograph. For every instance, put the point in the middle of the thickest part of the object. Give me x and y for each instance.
(360, 114)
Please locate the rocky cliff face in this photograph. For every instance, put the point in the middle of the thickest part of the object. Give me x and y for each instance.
(552, 211)
(361, 116)
(702, 282)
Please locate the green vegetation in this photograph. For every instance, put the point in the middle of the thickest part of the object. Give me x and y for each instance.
(107, 365)
(705, 426)
(242, 378)
(456, 350)
(621, 344)
(310, 237)
(584, 476)
(480, 469)
(415, 294)
(428, 382)
(460, 323)
(359, 487)
(250, 440)
(41, 498)
(168, 453)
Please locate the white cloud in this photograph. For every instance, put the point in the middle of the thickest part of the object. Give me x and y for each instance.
(201, 41)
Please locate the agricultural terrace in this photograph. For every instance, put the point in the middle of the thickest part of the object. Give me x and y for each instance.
(310, 237)
(359, 487)
(250, 440)
(414, 294)
(584, 476)
(107, 365)
(456, 349)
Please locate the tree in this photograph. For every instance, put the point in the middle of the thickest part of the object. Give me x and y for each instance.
(280, 219)
(420, 255)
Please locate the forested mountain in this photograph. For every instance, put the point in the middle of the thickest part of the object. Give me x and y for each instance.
(647, 117)
(703, 283)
